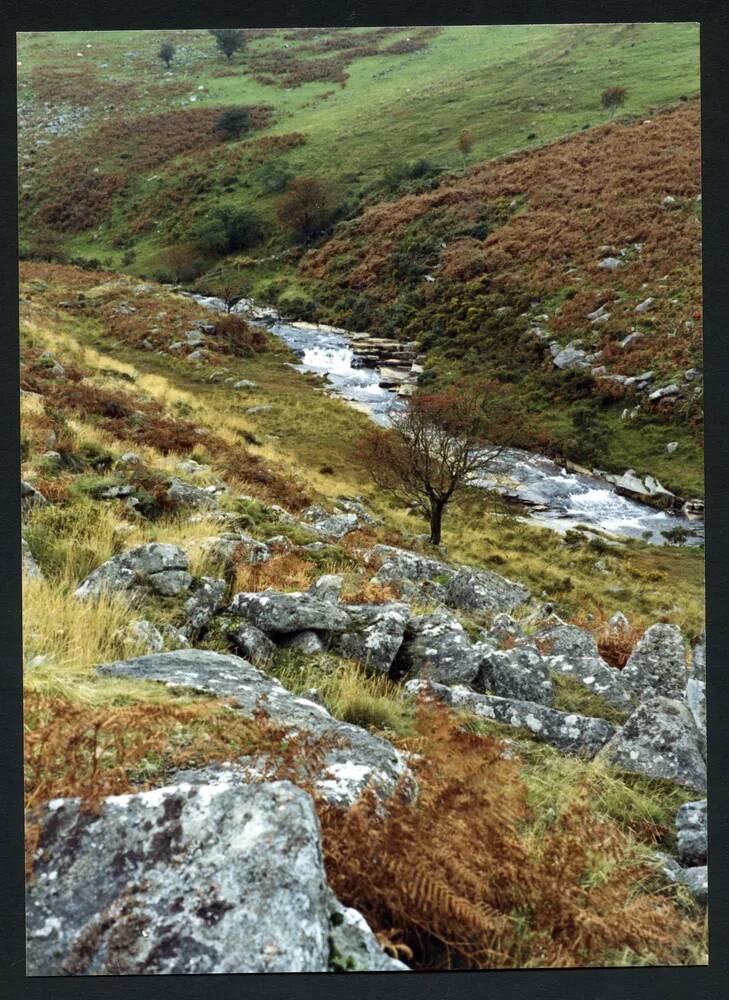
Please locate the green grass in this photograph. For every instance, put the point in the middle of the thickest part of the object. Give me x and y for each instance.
(505, 83)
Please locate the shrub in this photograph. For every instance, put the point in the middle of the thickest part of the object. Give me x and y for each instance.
(228, 40)
(226, 229)
(613, 97)
(234, 122)
(166, 53)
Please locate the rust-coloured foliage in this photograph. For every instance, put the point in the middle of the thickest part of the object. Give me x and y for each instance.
(458, 876)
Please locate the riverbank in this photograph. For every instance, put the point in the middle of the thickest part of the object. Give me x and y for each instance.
(374, 373)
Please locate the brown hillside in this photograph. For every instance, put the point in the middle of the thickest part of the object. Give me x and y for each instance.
(550, 215)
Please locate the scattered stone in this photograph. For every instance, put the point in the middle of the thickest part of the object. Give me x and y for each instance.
(671, 447)
(659, 740)
(244, 383)
(174, 638)
(353, 758)
(208, 598)
(669, 202)
(663, 393)
(161, 566)
(610, 263)
(332, 526)
(696, 880)
(234, 547)
(657, 665)
(154, 884)
(692, 833)
(568, 732)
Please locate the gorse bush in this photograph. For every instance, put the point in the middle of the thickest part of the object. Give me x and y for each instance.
(460, 876)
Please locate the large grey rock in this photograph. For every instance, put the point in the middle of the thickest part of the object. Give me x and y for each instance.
(437, 647)
(562, 640)
(692, 833)
(373, 635)
(657, 665)
(504, 627)
(278, 613)
(357, 757)
(481, 590)
(30, 566)
(186, 495)
(568, 732)
(207, 599)
(659, 740)
(158, 565)
(696, 701)
(596, 676)
(253, 644)
(515, 673)
(400, 564)
(185, 880)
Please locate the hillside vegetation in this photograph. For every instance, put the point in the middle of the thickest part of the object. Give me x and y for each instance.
(125, 166)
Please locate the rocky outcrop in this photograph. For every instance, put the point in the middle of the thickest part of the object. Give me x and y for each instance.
(437, 647)
(189, 880)
(330, 526)
(565, 731)
(400, 564)
(595, 676)
(373, 635)
(561, 639)
(279, 613)
(657, 665)
(515, 673)
(480, 590)
(659, 740)
(353, 758)
(156, 565)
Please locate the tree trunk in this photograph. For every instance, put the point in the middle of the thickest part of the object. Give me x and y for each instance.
(436, 519)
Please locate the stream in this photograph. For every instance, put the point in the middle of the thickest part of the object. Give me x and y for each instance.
(553, 496)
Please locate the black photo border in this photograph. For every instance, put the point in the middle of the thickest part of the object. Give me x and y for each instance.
(700, 983)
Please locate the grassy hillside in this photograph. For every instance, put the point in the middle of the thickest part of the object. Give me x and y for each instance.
(297, 449)
(512, 86)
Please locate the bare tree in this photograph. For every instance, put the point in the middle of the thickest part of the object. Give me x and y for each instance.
(437, 447)
(307, 207)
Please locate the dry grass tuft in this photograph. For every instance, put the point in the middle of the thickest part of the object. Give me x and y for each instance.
(286, 572)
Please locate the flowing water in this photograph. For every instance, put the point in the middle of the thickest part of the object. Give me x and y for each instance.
(554, 497)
